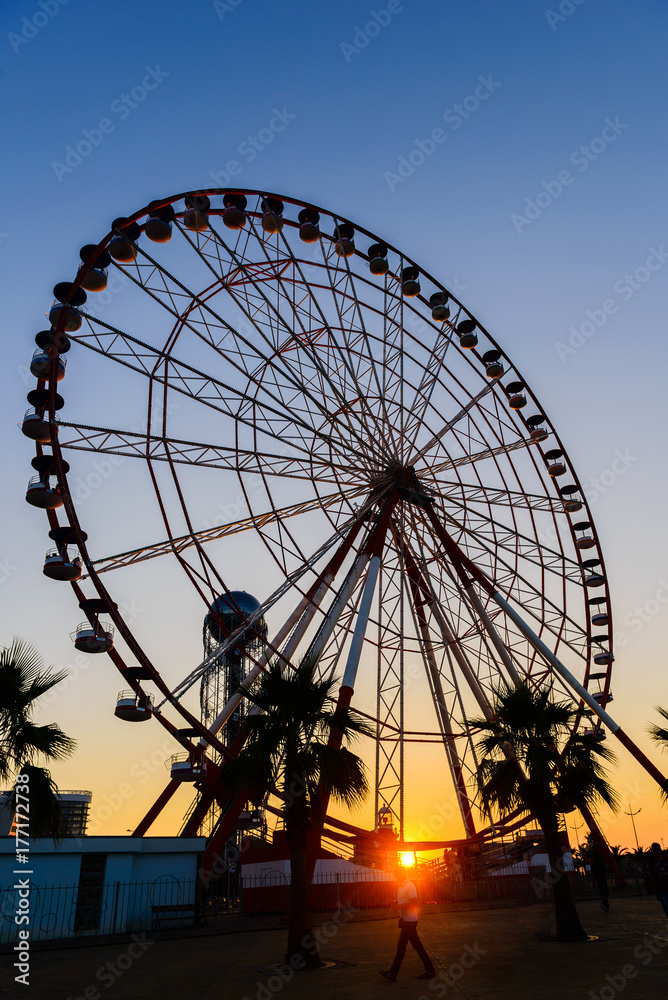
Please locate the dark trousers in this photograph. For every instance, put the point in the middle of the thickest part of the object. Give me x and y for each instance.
(602, 886)
(409, 933)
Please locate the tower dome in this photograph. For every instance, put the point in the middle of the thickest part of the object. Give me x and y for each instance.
(223, 611)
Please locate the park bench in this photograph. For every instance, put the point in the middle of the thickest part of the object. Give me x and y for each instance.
(172, 912)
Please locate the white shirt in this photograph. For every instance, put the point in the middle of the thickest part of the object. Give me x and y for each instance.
(407, 899)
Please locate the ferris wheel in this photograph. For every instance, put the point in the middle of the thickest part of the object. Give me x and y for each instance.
(401, 495)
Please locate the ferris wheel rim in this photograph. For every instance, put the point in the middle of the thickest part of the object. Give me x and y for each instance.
(339, 219)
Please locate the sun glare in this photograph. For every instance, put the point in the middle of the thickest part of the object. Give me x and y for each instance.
(407, 859)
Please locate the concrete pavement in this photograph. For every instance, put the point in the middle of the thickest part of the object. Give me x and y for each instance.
(488, 954)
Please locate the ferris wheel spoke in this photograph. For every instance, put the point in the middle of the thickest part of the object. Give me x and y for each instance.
(470, 626)
(209, 391)
(490, 497)
(533, 597)
(292, 384)
(263, 315)
(347, 307)
(385, 428)
(433, 471)
(266, 310)
(133, 444)
(425, 390)
(141, 554)
(486, 389)
(419, 599)
(473, 623)
(492, 535)
(535, 602)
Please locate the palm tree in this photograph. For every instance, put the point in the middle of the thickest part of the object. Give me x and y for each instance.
(534, 762)
(286, 746)
(660, 735)
(23, 680)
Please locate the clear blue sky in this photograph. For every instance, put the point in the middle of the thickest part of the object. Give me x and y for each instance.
(333, 101)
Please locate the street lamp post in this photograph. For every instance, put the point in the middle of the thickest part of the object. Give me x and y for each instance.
(632, 814)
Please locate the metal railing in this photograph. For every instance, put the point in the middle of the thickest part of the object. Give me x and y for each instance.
(68, 911)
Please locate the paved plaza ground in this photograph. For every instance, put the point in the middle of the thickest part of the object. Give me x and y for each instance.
(490, 954)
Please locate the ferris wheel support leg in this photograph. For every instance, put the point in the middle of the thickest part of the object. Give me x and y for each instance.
(198, 816)
(211, 860)
(372, 548)
(458, 557)
(343, 701)
(464, 569)
(299, 620)
(574, 683)
(342, 598)
(352, 663)
(156, 808)
(372, 553)
(497, 641)
(422, 596)
(452, 643)
(450, 748)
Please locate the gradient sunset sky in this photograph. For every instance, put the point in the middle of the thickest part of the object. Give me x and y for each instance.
(542, 203)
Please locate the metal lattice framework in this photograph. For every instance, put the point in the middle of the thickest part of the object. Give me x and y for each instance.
(397, 484)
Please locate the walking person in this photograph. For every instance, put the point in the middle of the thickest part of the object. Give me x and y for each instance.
(600, 875)
(407, 901)
(658, 868)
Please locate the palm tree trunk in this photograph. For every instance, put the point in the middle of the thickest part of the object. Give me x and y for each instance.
(568, 923)
(301, 941)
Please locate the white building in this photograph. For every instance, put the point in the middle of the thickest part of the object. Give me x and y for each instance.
(99, 885)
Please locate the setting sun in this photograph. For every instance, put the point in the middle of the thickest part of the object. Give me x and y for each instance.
(407, 859)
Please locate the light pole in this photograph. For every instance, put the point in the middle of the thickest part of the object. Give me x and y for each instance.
(632, 814)
(576, 828)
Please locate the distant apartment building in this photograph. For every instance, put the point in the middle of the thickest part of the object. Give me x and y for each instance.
(74, 805)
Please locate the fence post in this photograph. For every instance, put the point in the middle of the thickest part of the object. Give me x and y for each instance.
(113, 926)
(198, 900)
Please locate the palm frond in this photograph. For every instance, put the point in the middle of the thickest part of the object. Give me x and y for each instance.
(659, 734)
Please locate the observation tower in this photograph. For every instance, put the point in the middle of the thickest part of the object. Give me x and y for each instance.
(226, 617)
